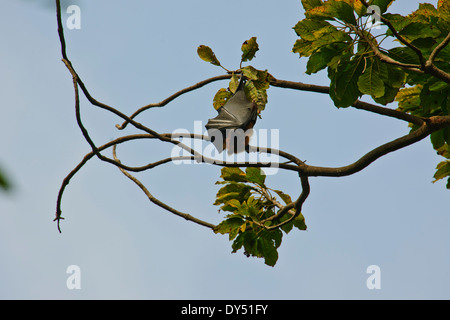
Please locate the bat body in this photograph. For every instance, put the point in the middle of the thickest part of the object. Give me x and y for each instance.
(230, 128)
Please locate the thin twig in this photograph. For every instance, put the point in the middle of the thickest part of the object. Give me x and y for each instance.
(158, 202)
(438, 48)
(174, 96)
(426, 66)
(398, 36)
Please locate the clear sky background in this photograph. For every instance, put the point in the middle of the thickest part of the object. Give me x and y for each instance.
(131, 53)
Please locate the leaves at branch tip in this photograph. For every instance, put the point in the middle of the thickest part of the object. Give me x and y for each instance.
(205, 53)
(330, 33)
(249, 204)
(249, 48)
(443, 171)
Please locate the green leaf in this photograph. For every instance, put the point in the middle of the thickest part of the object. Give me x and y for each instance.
(382, 4)
(330, 36)
(268, 251)
(255, 175)
(233, 174)
(259, 97)
(231, 226)
(397, 20)
(409, 99)
(447, 135)
(248, 240)
(389, 95)
(404, 55)
(343, 11)
(344, 83)
(443, 9)
(426, 13)
(263, 81)
(324, 57)
(326, 39)
(370, 82)
(439, 86)
(261, 245)
(393, 76)
(234, 83)
(431, 101)
(249, 48)
(444, 150)
(308, 29)
(321, 12)
(443, 170)
(309, 4)
(417, 30)
(437, 138)
(250, 72)
(285, 197)
(303, 47)
(206, 54)
(299, 222)
(233, 190)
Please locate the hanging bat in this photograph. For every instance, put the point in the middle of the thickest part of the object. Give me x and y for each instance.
(230, 128)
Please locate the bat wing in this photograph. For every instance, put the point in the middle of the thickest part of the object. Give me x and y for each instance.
(237, 113)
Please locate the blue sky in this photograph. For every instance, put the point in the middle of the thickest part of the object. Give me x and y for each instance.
(389, 215)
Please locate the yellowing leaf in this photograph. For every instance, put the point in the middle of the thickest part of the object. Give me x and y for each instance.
(220, 98)
(443, 170)
(309, 4)
(249, 48)
(206, 54)
(234, 83)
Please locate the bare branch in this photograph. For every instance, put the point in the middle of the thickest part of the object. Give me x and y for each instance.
(158, 202)
(86, 158)
(430, 125)
(358, 104)
(174, 96)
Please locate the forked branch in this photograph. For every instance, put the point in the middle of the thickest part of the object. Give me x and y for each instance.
(304, 171)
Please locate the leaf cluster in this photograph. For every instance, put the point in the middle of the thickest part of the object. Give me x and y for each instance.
(258, 80)
(250, 207)
(335, 36)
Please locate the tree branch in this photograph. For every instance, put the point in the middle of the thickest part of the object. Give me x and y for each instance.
(425, 66)
(382, 56)
(174, 96)
(296, 205)
(358, 104)
(438, 48)
(430, 125)
(158, 202)
(398, 36)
